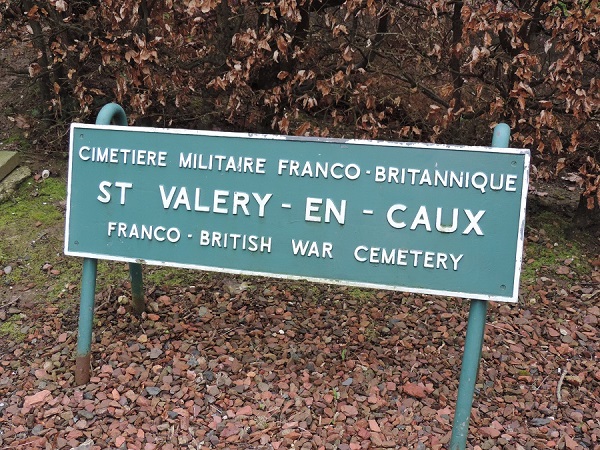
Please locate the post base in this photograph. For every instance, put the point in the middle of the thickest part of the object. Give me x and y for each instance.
(82, 369)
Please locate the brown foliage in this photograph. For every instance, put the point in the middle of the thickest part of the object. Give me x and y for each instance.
(404, 70)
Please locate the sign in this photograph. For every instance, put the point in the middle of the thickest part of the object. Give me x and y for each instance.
(432, 219)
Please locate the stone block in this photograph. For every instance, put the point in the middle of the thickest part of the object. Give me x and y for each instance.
(8, 162)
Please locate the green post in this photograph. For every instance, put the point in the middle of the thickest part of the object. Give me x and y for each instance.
(473, 343)
(137, 289)
(86, 318)
(109, 114)
(113, 113)
(468, 373)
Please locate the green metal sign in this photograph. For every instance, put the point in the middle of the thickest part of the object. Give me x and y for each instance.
(432, 219)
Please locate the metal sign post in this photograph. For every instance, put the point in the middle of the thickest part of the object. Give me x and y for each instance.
(473, 343)
(111, 113)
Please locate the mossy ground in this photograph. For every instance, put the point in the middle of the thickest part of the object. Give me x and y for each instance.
(361, 294)
(31, 250)
(31, 225)
(551, 246)
(12, 327)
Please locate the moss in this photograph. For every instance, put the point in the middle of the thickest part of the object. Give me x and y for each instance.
(12, 328)
(171, 277)
(33, 203)
(552, 249)
(17, 140)
(360, 294)
(31, 224)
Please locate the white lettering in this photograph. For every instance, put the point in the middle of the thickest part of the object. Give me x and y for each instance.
(455, 261)
(311, 207)
(220, 198)
(124, 186)
(223, 202)
(399, 257)
(390, 216)
(446, 228)
(112, 226)
(318, 169)
(473, 225)
(144, 232)
(166, 200)
(262, 202)
(182, 199)
(360, 248)
(240, 200)
(197, 206)
(123, 156)
(421, 219)
(235, 241)
(106, 197)
(84, 149)
(480, 181)
(510, 183)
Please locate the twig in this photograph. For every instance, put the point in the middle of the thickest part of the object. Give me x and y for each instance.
(12, 302)
(559, 385)
(220, 411)
(503, 329)
(101, 305)
(537, 388)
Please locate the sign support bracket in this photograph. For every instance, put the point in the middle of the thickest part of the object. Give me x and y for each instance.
(473, 343)
(111, 113)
